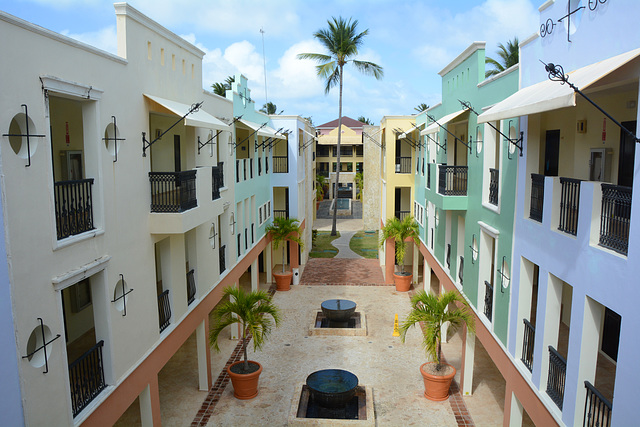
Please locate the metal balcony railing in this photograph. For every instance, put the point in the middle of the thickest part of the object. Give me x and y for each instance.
(452, 180)
(537, 197)
(494, 185)
(461, 270)
(86, 378)
(259, 166)
(251, 168)
(280, 213)
(164, 310)
(244, 169)
(403, 164)
(191, 286)
(217, 181)
(428, 175)
(448, 258)
(237, 170)
(280, 164)
(569, 204)
(527, 344)
(597, 409)
(557, 377)
(221, 254)
(74, 207)
(615, 217)
(488, 300)
(173, 191)
(324, 173)
(401, 215)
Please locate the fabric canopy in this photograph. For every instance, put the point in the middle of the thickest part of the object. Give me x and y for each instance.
(264, 131)
(198, 118)
(550, 95)
(433, 127)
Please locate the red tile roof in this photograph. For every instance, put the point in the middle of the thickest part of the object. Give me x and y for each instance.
(347, 121)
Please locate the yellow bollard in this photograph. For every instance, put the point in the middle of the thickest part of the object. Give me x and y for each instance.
(396, 330)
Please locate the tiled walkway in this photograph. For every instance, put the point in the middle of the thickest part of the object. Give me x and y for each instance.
(339, 271)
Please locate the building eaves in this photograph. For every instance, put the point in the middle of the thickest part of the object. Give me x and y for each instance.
(464, 55)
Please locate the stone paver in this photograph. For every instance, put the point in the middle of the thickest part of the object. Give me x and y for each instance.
(342, 244)
(341, 271)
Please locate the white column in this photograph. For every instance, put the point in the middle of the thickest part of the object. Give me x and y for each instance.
(467, 363)
(551, 320)
(177, 276)
(426, 277)
(269, 266)
(515, 419)
(150, 405)
(254, 275)
(416, 260)
(202, 348)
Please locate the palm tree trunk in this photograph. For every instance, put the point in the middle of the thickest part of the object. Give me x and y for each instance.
(438, 364)
(283, 246)
(335, 192)
(244, 348)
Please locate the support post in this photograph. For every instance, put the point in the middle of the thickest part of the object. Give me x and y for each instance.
(254, 275)
(468, 358)
(150, 405)
(204, 355)
(416, 262)
(268, 262)
(389, 259)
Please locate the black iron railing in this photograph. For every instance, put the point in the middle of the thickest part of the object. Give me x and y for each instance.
(252, 234)
(615, 217)
(266, 165)
(488, 300)
(251, 168)
(74, 207)
(86, 378)
(237, 170)
(527, 344)
(217, 181)
(259, 166)
(221, 254)
(401, 215)
(280, 213)
(597, 409)
(557, 376)
(448, 255)
(429, 175)
(239, 247)
(452, 180)
(569, 203)
(494, 185)
(461, 270)
(164, 310)
(244, 169)
(423, 168)
(173, 191)
(191, 286)
(280, 164)
(403, 164)
(537, 197)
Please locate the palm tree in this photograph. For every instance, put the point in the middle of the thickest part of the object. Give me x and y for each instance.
(254, 311)
(400, 231)
(342, 41)
(365, 120)
(359, 180)
(321, 181)
(432, 310)
(270, 108)
(281, 230)
(508, 57)
(222, 88)
(421, 107)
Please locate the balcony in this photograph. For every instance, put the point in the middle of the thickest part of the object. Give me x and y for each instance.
(569, 205)
(527, 344)
(222, 254)
(191, 286)
(428, 175)
(86, 378)
(452, 180)
(164, 310)
(280, 213)
(537, 197)
(597, 409)
(615, 218)
(74, 207)
(494, 186)
(557, 376)
(403, 164)
(488, 300)
(401, 215)
(217, 180)
(173, 191)
(280, 164)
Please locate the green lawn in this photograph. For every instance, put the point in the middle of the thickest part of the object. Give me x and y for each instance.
(365, 244)
(322, 247)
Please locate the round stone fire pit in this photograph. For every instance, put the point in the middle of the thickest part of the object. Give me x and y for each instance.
(332, 388)
(338, 311)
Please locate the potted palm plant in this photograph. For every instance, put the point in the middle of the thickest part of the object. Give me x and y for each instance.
(431, 311)
(257, 315)
(400, 231)
(281, 230)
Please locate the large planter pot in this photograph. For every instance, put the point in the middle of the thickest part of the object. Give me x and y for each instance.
(245, 386)
(283, 280)
(402, 281)
(436, 387)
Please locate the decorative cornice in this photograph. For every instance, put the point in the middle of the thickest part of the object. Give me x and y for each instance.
(464, 55)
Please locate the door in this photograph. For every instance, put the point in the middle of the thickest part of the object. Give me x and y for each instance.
(596, 164)
(627, 154)
(552, 152)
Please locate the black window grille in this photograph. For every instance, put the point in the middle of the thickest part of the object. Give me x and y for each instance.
(615, 217)
(569, 204)
(488, 300)
(528, 341)
(557, 377)
(191, 286)
(494, 185)
(74, 207)
(86, 378)
(453, 180)
(537, 197)
(164, 310)
(173, 191)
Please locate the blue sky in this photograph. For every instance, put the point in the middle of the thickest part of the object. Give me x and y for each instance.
(411, 40)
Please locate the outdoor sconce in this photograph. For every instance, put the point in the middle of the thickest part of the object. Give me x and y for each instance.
(504, 278)
(474, 250)
(437, 217)
(232, 224)
(212, 236)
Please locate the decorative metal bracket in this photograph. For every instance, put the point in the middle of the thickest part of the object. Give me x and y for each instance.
(209, 141)
(265, 143)
(372, 140)
(444, 147)
(27, 135)
(43, 347)
(146, 144)
(115, 139)
(123, 297)
(474, 251)
(410, 140)
(503, 277)
(271, 142)
(556, 74)
(449, 132)
(250, 135)
(516, 142)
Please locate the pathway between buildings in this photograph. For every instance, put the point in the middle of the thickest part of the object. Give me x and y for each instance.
(342, 244)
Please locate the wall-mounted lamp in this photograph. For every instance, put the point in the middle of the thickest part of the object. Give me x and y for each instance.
(474, 249)
(212, 236)
(504, 275)
(232, 224)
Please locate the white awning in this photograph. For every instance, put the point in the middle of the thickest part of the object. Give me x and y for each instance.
(198, 118)
(403, 135)
(264, 131)
(433, 127)
(550, 95)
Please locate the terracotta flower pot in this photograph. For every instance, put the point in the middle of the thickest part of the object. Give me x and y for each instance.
(403, 282)
(436, 387)
(283, 280)
(245, 386)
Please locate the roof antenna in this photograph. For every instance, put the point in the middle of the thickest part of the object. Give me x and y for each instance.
(264, 61)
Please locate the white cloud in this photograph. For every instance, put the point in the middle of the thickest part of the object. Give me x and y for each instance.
(295, 78)
(104, 38)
